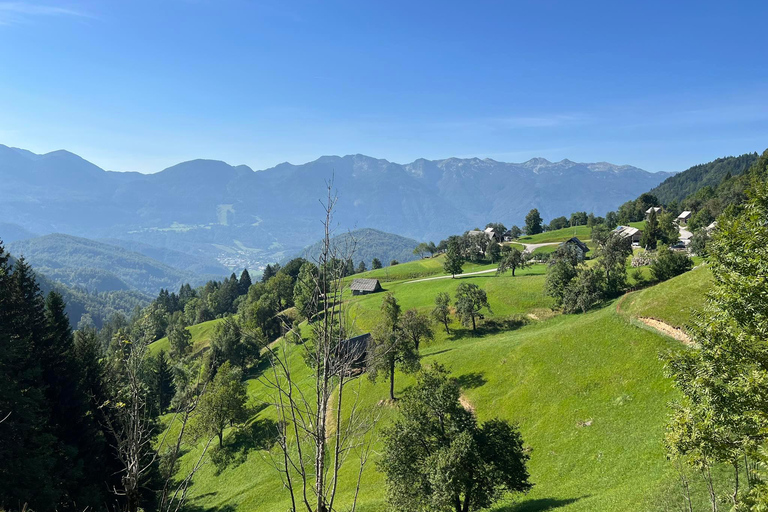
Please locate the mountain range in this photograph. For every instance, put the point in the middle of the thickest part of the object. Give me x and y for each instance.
(245, 218)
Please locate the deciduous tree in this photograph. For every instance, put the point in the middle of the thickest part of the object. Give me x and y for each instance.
(470, 299)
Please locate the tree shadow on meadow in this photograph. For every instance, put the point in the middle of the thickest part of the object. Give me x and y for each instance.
(260, 434)
(487, 326)
(470, 380)
(540, 505)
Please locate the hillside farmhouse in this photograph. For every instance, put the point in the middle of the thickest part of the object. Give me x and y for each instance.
(578, 244)
(656, 209)
(683, 218)
(490, 233)
(365, 286)
(633, 234)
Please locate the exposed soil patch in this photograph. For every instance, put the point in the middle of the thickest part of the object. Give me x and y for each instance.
(665, 328)
(466, 404)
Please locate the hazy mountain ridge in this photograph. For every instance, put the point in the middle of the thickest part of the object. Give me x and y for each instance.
(246, 219)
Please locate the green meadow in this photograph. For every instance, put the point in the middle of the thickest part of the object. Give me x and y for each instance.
(588, 392)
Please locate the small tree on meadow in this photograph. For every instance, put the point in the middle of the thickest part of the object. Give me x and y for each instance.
(416, 327)
(561, 270)
(421, 249)
(584, 291)
(515, 231)
(390, 348)
(612, 259)
(361, 268)
(453, 259)
(376, 263)
(470, 299)
(442, 311)
(393, 263)
(512, 260)
(223, 404)
(438, 458)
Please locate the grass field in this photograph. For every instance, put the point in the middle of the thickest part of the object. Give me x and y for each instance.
(588, 392)
(427, 267)
(558, 235)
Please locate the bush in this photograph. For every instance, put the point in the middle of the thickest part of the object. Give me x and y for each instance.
(585, 291)
(669, 263)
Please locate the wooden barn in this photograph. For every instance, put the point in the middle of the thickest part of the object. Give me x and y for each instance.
(365, 286)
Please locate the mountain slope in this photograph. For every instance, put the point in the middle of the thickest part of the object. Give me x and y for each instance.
(99, 267)
(89, 307)
(244, 218)
(366, 244)
(686, 183)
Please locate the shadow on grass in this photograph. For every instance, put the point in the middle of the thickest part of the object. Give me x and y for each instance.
(422, 356)
(490, 326)
(194, 507)
(540, 505)
(260, 434)
(470, 380)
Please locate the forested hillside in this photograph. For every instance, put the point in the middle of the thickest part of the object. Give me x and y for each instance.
(688, 182)
(99, 267)
(365, 245)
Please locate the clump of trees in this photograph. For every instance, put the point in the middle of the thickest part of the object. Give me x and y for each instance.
(721, 418)
(437, 456)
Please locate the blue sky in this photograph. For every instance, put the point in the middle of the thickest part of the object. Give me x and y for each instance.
(141, 85)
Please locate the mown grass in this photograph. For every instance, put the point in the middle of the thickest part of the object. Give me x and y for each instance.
(558, 235)
(427, 267)
(588, 392)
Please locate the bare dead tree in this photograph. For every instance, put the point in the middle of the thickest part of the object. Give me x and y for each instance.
(132, 427)
(130, 423)
(321, 421)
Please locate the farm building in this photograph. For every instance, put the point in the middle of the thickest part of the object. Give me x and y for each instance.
(488, 233)
(581, 246)
(365, 286)
(656, 209)
(683, 218)
(629, 232)
(352, 354)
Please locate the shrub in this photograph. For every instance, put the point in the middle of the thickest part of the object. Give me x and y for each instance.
(669, 263)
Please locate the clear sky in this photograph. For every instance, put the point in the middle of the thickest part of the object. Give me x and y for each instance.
(142, 85)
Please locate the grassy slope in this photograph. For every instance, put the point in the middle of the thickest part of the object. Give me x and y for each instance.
(427, 267)
(558, 235)
(549, 376)
(201, 337)
(672, 301)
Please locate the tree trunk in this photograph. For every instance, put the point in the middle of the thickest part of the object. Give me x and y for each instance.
(221, 438)
(392, 380)
(447, 330)
(513, 271)
(473, 323)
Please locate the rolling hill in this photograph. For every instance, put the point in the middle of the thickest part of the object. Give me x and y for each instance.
(366, 244)
(588, 392)
(239, 217)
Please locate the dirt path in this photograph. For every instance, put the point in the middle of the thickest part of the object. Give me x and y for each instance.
(532, 247)
(668, 330)
(450, 277)
(466, 404)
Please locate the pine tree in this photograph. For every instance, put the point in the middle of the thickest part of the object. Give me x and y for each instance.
(245, 282)
(163, 385)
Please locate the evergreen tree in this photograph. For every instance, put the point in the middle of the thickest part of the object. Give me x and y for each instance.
(305, 295)
(163, 383)
(180, 341)
(376, 263)
(361, 268)
(269, 273)
(244, 283)
(651, 232)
